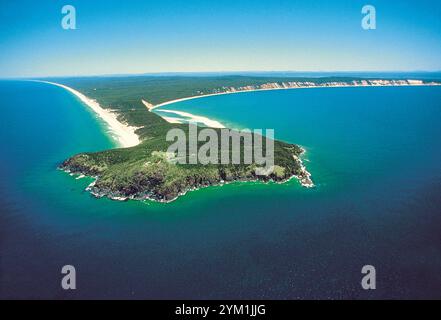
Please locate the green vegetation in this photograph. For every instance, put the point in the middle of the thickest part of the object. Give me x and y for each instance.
(143, 171)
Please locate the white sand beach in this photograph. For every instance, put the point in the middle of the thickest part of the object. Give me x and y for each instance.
(192, 118)
(173, 119)
(148, 105)
(274, 86)
(125, 135)
(151, 107)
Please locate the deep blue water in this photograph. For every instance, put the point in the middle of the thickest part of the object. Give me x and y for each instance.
(375, 155)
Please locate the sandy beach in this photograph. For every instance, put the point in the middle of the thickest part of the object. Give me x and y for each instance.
(124, 135)
(151, 107)
(192, 118)
(378, 83)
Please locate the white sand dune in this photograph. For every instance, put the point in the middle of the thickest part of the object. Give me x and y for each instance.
(151, 107)
(377, 83)
(124, 134)
(173, 120)
(148, 105)
(194, 118)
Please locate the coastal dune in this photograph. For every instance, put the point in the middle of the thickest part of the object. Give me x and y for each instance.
(124, 135)
(189, 117)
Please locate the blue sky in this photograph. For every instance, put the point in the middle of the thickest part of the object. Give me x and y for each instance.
(178, 36)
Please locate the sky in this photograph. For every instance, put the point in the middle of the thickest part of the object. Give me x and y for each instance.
(123, 37)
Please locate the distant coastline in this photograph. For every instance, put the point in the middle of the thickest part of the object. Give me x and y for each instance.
(301, 85)
(275, 86)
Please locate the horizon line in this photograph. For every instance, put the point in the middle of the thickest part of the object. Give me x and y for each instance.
(177, 73)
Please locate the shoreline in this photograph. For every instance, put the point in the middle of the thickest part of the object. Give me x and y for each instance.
(192, 118)
(276, 86)
(304, 182)
(124, 134)
(304, 179)
(151, 107)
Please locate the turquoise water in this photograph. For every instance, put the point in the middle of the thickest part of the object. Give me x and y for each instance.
(375, 155)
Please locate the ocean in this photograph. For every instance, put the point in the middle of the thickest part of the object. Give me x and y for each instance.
(374, 155)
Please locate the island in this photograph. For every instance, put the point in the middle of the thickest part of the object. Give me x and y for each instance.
(140, 169)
